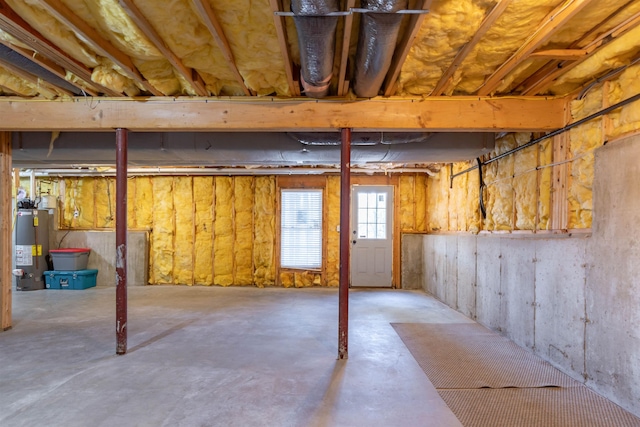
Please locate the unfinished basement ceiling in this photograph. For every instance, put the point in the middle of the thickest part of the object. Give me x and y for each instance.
(123, 49)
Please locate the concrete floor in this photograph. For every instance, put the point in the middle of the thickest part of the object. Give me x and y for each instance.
(216, 357)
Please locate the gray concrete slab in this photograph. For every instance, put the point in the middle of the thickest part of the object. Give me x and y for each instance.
(202, 356)
(560, 305)
(517, 274)
(411, 265)
(451, 272)
(488, 282)
(467, 275)
(613, 287)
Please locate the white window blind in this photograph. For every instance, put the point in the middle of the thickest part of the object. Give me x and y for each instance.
(301, 229)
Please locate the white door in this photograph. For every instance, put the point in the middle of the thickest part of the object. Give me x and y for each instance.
(371, 235)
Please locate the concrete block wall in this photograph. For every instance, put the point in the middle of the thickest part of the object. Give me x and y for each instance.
(573, 300)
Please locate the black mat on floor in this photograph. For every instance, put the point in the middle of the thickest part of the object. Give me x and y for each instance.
(488, 380)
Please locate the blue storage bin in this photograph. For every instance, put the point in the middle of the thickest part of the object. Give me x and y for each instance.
(77, 279)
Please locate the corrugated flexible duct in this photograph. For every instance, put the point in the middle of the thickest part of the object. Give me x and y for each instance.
(376, 44)
(317, 40)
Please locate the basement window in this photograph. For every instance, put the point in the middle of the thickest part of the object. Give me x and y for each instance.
(301, 229)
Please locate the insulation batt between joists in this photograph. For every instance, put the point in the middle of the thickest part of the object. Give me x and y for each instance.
(438, 201)
(407, 202)
(332, 210)
(243, 238)
(162, 238)
(184, 231)
(223, 232)
(203, 192)
(264, 231)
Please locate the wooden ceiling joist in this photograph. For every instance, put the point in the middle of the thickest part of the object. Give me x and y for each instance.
(552, 23)
(274, 115)
(13, 24)
(145, 26)
(541, 81)
(402, 50)
(210, 20)
(42, 85)
(281, 31)
(103, 47)
(446, 80)
(343, 84)
(560, 54)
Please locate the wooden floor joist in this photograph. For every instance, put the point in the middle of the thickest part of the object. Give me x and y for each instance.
(5, 230)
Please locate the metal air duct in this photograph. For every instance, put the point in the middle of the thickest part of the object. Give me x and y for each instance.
(376, 44)
(317, 40)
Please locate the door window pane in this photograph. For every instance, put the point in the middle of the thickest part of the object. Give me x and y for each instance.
(372, 215)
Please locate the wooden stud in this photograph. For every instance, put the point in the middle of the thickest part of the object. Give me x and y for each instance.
(559, 186)
(274, 115)
(208, 16)
(607, 123)
(343, 84)
(103, 47)
(554, 22)
(6, 219)
(145, 26)
(281, 31)
(401, 52)
(560, 54)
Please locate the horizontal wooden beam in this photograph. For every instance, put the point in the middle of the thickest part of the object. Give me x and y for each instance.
(562, 54)
(277, 115)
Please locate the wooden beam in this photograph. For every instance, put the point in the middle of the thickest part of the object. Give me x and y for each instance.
(552, 24)
(281, 31)
(41, 84)
(400, 54)
(541, 81)
(6, 257)
(103, 47)
(145, 26)
(13, 24)
(210, 20)
(446, 80)
(343, 84)
(276, 115)
(561, 54)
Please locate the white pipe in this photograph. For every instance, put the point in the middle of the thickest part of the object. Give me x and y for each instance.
(32, 184)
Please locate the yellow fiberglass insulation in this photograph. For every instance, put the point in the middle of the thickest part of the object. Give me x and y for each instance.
(421, 202)
(438, 201)
(457, 194)
(223, 232)
(251, 33)
(104, 71)
(515, 25)
(16, 84)
(287, 279)
(131, 203)
(332, 210)
(243, 240)
(264, 231)
(203, 244)
(68, 202)
(544, 188)
(627, 119)
(498, 178)
(162, 238)
(407, 214)
(472, 200)
(83, 202)
(525, 188)
(584, 139)
(105, 202)
(449, 25)
(184, 231)
(615, 54)
(305, 279)
(144, 203)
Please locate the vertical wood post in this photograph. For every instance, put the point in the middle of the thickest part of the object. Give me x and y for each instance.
(345, 244)
(6, 217)
(121, 241)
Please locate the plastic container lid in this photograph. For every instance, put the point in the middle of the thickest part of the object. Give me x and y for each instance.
(70, 250)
